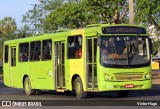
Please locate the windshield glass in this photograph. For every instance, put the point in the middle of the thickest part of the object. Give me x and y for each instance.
(125, 51)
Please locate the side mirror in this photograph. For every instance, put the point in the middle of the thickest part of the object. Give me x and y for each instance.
(150, 45)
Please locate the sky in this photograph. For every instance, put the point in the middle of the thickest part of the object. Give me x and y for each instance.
(15, 9)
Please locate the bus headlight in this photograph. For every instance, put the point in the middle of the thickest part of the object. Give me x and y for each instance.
(107, 77)
(148, 76)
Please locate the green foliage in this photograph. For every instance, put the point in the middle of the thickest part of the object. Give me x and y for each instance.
(51, 15)
(155, 46)
(148, 12)
(80, 13)
(71, 15)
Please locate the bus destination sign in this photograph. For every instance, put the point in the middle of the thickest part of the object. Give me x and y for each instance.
(123, 30)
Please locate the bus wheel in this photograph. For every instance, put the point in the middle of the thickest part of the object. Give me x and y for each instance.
(123, 93)
(27, 87)
(78, 86)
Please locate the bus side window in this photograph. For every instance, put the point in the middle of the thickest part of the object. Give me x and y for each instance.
(46, 49)
(75, 47)
(23, 52)
(35, 50)
(6, 54)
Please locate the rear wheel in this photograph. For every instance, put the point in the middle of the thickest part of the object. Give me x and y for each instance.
(27, 87)
(123, 93)
(78, 87)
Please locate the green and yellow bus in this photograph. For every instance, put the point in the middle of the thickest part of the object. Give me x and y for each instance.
(97, 58)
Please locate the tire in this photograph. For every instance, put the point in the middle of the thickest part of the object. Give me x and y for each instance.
(28, 88)
(123, 93)
(78, 87)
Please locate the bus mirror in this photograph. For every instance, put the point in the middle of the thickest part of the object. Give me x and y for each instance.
(150, 44)
(99, 41)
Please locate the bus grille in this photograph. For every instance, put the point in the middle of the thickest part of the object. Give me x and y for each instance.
(128, 76)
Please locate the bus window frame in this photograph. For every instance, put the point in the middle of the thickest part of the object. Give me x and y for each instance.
(74, 36)
(39, 49)
(27, 52)
(43, 49)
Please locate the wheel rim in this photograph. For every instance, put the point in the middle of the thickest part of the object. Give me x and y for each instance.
(78, 89)
(27, 86)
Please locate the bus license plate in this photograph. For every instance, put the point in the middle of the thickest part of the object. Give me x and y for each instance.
(129, 85)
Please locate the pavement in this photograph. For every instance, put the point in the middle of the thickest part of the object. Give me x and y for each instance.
(155, 82)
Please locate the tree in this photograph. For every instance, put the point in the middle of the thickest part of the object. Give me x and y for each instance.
(55, 14)
(7, 31)
(148, 12)
(70, 15)
(81, 13)
(35, 18)
(7, 28)
(24, 32)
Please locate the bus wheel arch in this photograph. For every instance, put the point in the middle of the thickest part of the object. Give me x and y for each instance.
(27, 86)
(73, 78)
(78, 87)
(24, 77)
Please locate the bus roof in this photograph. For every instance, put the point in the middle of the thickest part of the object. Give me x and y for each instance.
(94, 28)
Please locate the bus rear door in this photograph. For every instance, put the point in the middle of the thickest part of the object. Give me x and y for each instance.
(12, 64)
(59, 66)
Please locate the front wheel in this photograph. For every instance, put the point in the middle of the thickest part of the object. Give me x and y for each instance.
(27, 87)
(123, 93)
(78, 86)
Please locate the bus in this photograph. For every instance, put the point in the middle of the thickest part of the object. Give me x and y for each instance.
(97, 58)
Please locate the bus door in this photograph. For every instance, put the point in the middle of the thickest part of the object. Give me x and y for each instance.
(91, 63)
(12, 66)
(59, 65)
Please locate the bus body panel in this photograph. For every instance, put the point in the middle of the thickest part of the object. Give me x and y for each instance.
(43, 73)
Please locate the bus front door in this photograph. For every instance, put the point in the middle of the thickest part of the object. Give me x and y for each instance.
(13, 66)
(59, 65)
(91, 63)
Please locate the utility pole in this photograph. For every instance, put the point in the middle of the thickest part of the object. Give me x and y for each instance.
(131, 12)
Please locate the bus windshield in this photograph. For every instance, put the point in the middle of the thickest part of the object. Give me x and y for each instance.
(124, 51)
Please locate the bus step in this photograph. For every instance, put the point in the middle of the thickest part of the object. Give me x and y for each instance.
(91, 84)
(61, 90)
(92, 90)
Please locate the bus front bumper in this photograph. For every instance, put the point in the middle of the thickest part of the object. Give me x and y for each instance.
(126, 85)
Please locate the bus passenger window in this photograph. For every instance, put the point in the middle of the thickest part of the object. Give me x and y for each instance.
(46, 49)
(6, 54)
(75, 47)
(35, 50)
(23, 52)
